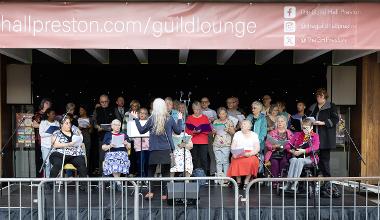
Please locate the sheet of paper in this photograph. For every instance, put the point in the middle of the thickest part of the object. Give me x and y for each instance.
(178, 139)
(117, 140)
(209, 114)
(106, 127)
(312, 119)
(275, 141)
(234, 120)
(240, 117)
(52, 129)
(237, 151)
(77, 139)
(83, 123)
(132, 130)
(220, 129)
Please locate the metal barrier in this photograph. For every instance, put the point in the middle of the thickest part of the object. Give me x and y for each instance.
(97, 195)
(216, 196)
(100, 199)
(357, 200)
(18, 198)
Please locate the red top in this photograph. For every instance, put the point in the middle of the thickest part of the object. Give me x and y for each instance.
(201, 138)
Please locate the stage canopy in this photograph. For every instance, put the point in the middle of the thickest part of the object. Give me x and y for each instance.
(308, 29)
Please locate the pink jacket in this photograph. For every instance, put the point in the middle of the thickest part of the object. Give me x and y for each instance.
(298, 139)
(144, 145)
(268, 144)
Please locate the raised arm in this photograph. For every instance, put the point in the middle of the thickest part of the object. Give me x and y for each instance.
(146, 127)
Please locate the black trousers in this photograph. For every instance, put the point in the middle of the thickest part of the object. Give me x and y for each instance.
(165, 170)
(199, 154)
(324, 162)
(78, 162)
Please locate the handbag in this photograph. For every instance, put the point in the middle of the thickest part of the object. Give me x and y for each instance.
(280, 153)
(172, 160)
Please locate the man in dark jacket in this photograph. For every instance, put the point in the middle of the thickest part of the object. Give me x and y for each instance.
(103, 115)
(120, 109)
(326, 116)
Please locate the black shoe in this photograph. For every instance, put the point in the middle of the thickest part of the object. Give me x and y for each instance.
(83, 188)
(119, 187)
(48, 187)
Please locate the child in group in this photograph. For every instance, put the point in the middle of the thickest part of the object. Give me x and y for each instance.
(223, 129)
(141, 146)
(116, 160)
(182, 157)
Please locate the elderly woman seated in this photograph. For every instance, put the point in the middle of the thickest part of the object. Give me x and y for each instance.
(276, 157)
(245, 146)
(303, 148)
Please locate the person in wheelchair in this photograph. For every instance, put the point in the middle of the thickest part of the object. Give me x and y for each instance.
(303, 147)
(276, 157)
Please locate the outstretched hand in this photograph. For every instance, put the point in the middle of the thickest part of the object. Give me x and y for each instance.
(133, 114)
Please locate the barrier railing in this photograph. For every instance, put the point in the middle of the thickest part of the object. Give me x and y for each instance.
(102, 198)
(110, 201)
(313, 198)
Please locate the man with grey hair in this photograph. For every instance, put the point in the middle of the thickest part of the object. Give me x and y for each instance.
(103, 115)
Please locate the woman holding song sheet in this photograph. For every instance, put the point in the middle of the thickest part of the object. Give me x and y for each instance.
(182, 155)
(245, 146)
(116, 157)
(276, 157)
(198, 126)
(223, 129)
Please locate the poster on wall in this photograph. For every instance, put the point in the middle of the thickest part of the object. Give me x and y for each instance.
(25, 132)
(340, 134)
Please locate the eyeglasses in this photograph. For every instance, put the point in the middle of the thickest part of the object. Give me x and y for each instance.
(306, 128)
(104, 101)
(204, 101)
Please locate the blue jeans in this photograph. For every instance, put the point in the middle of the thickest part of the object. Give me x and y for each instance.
(45, 152)
(142, 162)
(222, 157)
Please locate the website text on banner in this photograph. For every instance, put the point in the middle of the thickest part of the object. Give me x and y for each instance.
(190, 26)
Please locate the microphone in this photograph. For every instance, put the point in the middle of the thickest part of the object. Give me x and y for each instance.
(180, 98)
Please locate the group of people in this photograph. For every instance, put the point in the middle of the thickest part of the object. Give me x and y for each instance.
(225, 142)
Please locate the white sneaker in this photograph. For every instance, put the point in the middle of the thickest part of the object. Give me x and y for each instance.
(294, 187)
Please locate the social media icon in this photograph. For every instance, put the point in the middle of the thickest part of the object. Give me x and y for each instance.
(290, 12)
(289, 40)
(289, 26)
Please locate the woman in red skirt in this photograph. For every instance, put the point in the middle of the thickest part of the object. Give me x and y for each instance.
(245, 146)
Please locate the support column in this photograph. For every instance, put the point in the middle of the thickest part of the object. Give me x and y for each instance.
(370, 120)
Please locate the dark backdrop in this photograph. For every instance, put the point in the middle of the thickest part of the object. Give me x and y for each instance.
(82, 84)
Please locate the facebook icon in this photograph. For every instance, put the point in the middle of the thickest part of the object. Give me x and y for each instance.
(290, 12)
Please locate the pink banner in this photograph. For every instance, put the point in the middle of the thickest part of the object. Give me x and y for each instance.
(190, 26)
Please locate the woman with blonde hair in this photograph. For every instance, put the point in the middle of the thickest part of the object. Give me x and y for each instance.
(161, 127)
